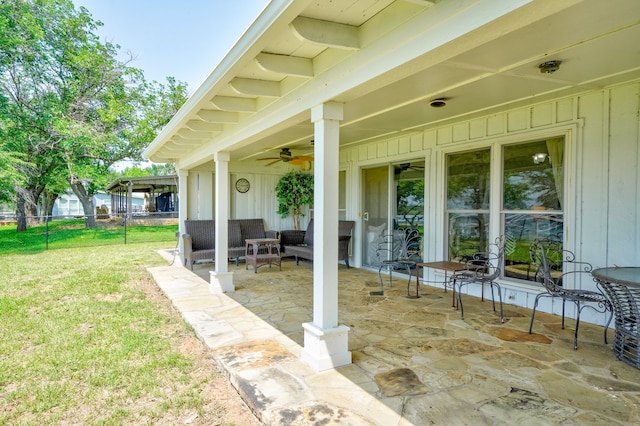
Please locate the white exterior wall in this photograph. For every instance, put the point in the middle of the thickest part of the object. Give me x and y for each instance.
(602, 224)
(201, 194)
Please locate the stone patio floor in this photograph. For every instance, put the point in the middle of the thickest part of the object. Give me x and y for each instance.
(415, 362)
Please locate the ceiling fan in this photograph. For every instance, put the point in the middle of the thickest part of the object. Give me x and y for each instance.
(399, 168)
(287, 157)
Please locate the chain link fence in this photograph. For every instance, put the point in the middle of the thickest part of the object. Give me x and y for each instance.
(51, 232)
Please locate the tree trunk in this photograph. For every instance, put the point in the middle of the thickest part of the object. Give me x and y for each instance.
(48, 202)
(86, 199)
(31, 197)
(21, 214)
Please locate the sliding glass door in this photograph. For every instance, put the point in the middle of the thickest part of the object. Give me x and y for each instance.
(393, 206)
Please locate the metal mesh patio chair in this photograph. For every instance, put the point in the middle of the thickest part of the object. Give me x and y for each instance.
(554, 268)
(483, 268)
(398, 250)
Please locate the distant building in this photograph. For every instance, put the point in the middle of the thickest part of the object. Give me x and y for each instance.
(159, 195)
(69, 205)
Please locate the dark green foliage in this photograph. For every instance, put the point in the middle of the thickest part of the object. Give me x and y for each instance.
(294, 191)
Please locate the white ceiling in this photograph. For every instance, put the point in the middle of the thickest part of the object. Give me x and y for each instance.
(493, 66)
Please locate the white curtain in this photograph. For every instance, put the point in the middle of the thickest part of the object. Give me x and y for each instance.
(555, 147)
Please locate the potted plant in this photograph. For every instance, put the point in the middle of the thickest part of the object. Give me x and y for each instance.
(294, 191)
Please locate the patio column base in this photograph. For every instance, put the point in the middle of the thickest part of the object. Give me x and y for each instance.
(325, 349)
(221, 282)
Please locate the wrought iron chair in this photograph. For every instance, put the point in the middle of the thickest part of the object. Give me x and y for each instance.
(483, 268)
(398, 250)
(554, 266)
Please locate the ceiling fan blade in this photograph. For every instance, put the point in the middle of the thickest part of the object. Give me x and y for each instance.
(304, 157)
(268, 158)
(273, 162)
(298, 160)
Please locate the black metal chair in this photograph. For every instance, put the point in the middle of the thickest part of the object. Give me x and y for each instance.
(554, 266)
(398, 250)
(483, 268)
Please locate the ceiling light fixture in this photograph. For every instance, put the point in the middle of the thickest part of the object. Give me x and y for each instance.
(539, 158)
(438, 103)
(549, 67)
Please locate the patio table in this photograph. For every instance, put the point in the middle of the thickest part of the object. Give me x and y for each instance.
(622, 286)
(443, 265)
(254, 256)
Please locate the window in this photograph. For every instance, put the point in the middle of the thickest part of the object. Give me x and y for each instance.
(468, 191)
(532, 190)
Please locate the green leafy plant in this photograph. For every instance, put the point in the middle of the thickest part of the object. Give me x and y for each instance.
(294, 191)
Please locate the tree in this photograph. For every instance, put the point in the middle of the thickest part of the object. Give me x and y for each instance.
(68, 105)
(294, 191)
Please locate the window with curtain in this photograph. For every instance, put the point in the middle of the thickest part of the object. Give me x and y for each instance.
(532, 200)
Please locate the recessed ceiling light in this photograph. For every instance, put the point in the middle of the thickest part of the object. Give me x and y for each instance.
(438, 103)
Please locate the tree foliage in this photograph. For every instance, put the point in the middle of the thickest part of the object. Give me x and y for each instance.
(152, 170)
(294, 191)
(68, 107)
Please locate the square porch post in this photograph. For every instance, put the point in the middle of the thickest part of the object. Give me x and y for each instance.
(326, 343)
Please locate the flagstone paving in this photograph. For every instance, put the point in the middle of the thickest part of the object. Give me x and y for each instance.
(415, 362)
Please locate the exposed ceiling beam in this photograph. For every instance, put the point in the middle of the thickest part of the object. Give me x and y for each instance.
(190, 134)
(326, 33)
(230, 103)
(252, 87)
(204, 126)
(428, 3)
(172, 147)
(215, 116)
(283, 64)
(178, 141)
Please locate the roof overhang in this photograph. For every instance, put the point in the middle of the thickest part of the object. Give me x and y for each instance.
(385, 60)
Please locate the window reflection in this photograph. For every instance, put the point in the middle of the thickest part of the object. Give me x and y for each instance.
(532, 201)
(533, 175)
(533, 190)
(468, 190)
(409, 214)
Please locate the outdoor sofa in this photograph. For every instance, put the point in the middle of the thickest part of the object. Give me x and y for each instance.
(300, 243)
(199, 238)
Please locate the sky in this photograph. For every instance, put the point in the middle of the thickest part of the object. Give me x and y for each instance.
(185, 39)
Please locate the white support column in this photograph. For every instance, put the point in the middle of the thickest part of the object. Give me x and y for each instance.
(221, 279)
(326, 344)
(183, 214)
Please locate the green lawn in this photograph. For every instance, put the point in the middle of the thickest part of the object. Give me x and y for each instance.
(84, 340)
(70, 233)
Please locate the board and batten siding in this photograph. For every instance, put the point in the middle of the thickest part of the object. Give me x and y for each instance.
(603, 177)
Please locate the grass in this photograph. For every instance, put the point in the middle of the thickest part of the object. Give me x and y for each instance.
(85, 343)
(70, 233)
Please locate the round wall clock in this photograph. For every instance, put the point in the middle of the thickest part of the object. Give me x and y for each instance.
(242, 185)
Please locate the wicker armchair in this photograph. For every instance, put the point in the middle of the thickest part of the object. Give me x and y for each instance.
(292, 246)
(199, 241)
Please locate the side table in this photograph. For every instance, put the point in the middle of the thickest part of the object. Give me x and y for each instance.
(446, 266)
(262, 251)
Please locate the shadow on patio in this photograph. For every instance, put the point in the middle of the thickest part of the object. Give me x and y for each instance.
(414, 360)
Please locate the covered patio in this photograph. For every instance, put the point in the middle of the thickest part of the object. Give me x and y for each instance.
(467, 120)
(414, 360)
